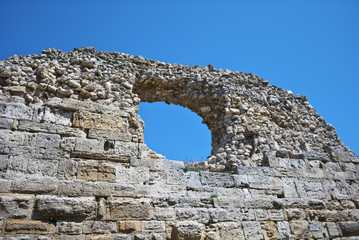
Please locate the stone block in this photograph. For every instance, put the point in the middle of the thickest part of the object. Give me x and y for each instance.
(16, 111)
(35, 185)
(97, 189)
(5, 185)
(128, 208)
(106, 173)
(284, 230)
(105, 150)
(240, 180)
(99, 227)
(230, 230)
(71, 237)
(349, 228)
(54, 116)
(16, 226)
(269, 230)
(333, 229)
(216, 179)
(262, 215)
(99, 237)
(88, 120)
(16, 206)
(188, 230)
(6, 123)
(164, 214)
(67, 170)
(129, 226)
(252, 230)
(153, 226)
(289, 188)
(276, 215)
(41, 167)
(110, 135)
(87, 171)
(67, 131)
(70, 228)
(54, 207)
(299, 229)
(137, 175)
(45, 140)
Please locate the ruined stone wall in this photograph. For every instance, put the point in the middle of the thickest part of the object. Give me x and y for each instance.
(73, 164)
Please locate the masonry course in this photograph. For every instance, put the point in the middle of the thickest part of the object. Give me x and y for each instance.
(74, 165)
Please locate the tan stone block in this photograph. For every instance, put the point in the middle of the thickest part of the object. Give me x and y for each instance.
(299, 229)
(129, 226)
(87, 171)
(15, 226)
(99, 237)
(89, 120)
(106, 173)
(270, 231)
(128, 208)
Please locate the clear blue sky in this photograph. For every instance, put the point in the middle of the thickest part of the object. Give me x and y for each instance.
(309, 47)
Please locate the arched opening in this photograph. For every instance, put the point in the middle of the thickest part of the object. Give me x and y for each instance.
(175, 132)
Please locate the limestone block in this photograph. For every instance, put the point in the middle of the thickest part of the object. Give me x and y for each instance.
(289, 188)
(105, 150)
(87, 171)
(109, 135)
(71, 237)
(54, 207)
(318, 230)
(99, 227)
(299, 229)
(16, 206)
(349, 229)
(88, 120)
(240, 180)
(45, 140)
(261, 215)
(71, 228)
(295, 214)
(129, 226)
(16, 111)
(153, 226)
(270, 231)
(216, 179)
(188, 230)
(5, 185)
(276, 215)
(137, 175)
(128, 208)
(333, 229)
(99, 237)
(16, 226)
(31, 126)
(77, 105)
(337, 189)
(120, 237)
(252, 230)
(6, 123)
(263, 182)
(97, 189)
(284, 230)
(67, 169)
(35, 185)
(164, 214)
(230, 231)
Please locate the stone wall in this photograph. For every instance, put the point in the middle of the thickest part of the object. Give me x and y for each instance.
(73, 164)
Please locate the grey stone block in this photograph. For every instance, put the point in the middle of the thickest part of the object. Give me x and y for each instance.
(16, 111)
(188, 230)
(17, 206)
(349, 228)
(153, 226)
(252, 230)
(99, 227)
(35, 185)
(5, 185)
(110, 135)
(55, 207)
(6, 123)
(136, 175)
(284, 230)
(216, 179)
(45, 140)
(71, 228)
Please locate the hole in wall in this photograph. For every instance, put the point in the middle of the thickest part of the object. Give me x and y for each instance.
(175, 132)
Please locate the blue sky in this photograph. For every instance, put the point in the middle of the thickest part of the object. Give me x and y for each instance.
(308, 47)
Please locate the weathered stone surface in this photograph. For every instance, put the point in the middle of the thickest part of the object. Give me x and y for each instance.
(252, 230)
(110, 135)
(188, 230)
(99, 227)
(53, 207)
(349, 228)
(28, 227)
(270, 231)
(153, 226)
(299, 229)
(16, 206)
(89, 120)
(71, 228)
(126, 208)
(139, 175)
(128, 226)
(35, 185)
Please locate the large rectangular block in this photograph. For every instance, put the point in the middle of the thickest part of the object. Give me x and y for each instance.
(97, 189)
(252, 230)
(45, 140)
(6, 123)
(137, 175)
(16, 206)
(54, 207)
(99, 227)
(16, 226)
(216, 179)
(16, 111)
(32, 126)
(153, 226)
(88, 120)
(71, 228)
(110, 135)
(105, 150)
(35, 185)
(128, 208)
